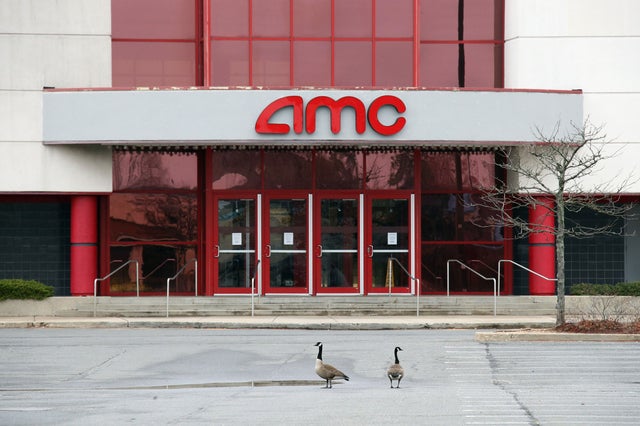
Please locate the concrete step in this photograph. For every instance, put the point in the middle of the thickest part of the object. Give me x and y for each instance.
(308, 305)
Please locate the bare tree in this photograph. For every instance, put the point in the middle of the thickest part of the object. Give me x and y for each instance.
(557, 174)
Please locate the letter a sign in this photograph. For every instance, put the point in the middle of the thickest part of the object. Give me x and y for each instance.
(304, 117)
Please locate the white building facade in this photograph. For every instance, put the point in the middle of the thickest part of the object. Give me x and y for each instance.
(306, 183)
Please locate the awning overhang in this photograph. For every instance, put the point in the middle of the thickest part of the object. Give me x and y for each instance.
(227, 118)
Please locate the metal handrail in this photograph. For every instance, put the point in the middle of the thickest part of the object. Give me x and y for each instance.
(434, 276)
(253, 285)
(523, 267)
(483, 264)
(176, 276)
(95, 282)
(417, 280)
(158, 267)
(495, 301)
(426, 268)
(492, 270)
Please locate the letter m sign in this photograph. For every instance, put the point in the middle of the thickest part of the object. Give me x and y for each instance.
(305, 117)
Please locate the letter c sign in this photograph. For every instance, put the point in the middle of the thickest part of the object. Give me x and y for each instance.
(304, 117)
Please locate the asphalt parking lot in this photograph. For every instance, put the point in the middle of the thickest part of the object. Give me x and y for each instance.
(266, 377)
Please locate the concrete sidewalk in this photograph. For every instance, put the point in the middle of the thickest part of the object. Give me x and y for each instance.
(490, 328)
(288, 322)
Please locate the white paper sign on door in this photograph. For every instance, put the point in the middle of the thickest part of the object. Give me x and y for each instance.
(236, 238)
(288, 239)
(392, 238)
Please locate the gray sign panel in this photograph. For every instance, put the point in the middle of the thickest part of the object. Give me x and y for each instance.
(225, 116)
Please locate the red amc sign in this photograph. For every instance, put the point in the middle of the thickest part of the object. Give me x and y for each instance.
(305, 117)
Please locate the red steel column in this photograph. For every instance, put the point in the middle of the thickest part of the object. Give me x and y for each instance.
(84, 244)
(542, 248)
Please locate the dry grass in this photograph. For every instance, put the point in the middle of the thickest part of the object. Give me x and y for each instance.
(601, 327)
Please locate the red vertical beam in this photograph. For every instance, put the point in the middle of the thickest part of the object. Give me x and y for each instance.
(416, 42)
(250, 43)
(206, 43)
(207, 254)
(373, 43)
(84, 244)
(542, 248)
(291, 70)
(417, 256)
(332, 81)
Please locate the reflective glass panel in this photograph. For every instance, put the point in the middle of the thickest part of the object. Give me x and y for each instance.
(159, 19)
(483, 65)
(229, 18)
(339, 242)
(236, 242)
(438, 20)
(394, 63)
(481, 257)
(394, 18)
(153, 217)
(312, 18)
(385, 272)
(458, 171)
(458, 217)
(229, 63)
(438, 65)
(482, 20)
(288, 241)
(240, 169)
(271, 63)
(156, 263)
(270, 18)
(236, 270)
(154, 170)
(312, 63)
(390, 170)
(352, 63)
(287, 169)
(339, 170)
(353, 18)
(144, 64)
(390, 238)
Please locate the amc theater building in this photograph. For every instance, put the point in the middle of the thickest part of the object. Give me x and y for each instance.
(298, 145)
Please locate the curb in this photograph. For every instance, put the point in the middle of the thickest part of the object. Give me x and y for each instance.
(491, 330)
(280, 322)
(551, 336)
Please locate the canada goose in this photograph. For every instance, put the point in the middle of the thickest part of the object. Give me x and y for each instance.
(395, 371)
(326, 371)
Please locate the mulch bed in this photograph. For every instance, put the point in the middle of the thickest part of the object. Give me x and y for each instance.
(600, 327)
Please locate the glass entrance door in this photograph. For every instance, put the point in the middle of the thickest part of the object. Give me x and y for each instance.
(285, 261)
(336, 245)
(234, 244)
(388, 239)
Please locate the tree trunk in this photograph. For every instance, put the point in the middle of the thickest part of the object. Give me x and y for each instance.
(560, 233)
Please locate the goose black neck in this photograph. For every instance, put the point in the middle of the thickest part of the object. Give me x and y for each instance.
(396, 354)
(320, 352)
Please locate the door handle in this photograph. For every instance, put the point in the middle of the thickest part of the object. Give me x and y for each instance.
(370, 250)
(319, 250)
(216, 254)
(267, 252)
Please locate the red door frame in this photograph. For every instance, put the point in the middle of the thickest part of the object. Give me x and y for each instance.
(266, 249)
(317, 240)
(370, 196)
(214, 242)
